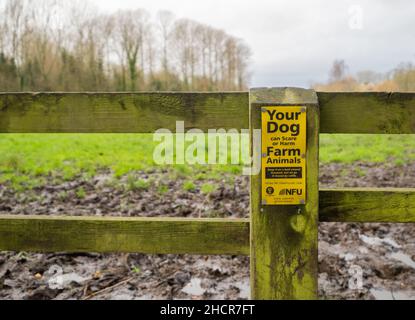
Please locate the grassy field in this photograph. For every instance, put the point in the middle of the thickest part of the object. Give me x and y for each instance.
(398, 149)
(27, 159)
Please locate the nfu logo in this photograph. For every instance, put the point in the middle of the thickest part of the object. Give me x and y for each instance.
(291, 192)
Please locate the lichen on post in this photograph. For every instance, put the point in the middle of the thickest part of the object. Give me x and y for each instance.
(284, 238)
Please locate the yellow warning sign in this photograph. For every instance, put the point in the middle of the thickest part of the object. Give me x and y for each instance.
(284, 149)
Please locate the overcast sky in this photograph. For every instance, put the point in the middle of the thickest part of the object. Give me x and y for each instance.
(295, 41)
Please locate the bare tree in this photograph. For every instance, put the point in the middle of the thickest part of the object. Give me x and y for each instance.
(165, 22)
(130, 28)
(58, 45)
(243, 55)
(338, 70)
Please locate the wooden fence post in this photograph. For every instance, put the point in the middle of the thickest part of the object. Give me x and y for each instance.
(284, 238)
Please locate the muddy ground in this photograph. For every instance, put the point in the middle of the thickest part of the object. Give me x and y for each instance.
(356, 261)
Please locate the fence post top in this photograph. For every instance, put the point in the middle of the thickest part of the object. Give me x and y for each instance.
(283, 95)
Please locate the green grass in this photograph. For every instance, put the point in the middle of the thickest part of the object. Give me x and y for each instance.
(134, 184)
(162, 189)
(27, 159)
(208, 188)
(189, 186)
(80, 193)
(398, 149)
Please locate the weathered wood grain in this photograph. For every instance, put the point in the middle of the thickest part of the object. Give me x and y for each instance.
(367, 205)
(193, 236)
(142, 235)
(284, 239)
(120, 112)
(367, 112)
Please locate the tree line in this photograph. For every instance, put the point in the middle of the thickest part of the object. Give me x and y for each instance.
(401, 78)
(56, 45)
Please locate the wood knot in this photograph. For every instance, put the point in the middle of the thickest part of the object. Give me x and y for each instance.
(298, 223)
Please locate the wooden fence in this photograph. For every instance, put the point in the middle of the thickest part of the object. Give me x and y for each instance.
(281, 270)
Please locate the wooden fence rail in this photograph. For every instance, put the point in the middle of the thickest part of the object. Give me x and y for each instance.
(281, 240)
(367, 205)
(191, 236)
(376, 113)
(143, 235)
